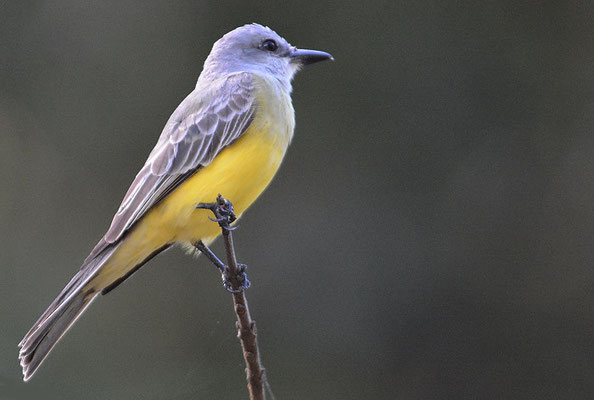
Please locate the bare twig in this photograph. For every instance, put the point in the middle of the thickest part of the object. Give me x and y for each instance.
(236, 282)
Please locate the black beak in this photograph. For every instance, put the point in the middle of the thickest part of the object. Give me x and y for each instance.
(306, 57)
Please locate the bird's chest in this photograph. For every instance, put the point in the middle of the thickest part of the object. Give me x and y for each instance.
(240, 173)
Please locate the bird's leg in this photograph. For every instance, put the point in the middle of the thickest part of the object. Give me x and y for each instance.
(226, 273)
(211, 256)
(235, 278)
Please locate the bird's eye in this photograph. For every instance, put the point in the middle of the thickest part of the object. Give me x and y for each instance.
(269, 45)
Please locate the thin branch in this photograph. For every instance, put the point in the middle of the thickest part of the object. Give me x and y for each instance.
(236, 282)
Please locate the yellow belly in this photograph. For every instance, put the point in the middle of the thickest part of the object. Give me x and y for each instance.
(240, 173)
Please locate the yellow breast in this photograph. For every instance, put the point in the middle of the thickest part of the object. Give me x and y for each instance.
(240, 173)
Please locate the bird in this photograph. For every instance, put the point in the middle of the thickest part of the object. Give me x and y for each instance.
(229, 135)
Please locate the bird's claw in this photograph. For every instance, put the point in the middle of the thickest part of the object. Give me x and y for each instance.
(223, 211)
(240, 279)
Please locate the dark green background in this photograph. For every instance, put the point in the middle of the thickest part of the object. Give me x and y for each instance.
(429, 236)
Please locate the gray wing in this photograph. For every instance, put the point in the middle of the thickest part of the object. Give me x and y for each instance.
(204, 123)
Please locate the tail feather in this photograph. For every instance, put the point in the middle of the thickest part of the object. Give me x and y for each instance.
(46, 336)
(60, 315)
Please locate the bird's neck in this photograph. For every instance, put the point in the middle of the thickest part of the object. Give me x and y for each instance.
(214, 70)
(275, 107)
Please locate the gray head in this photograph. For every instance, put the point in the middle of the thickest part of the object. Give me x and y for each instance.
(258, 49)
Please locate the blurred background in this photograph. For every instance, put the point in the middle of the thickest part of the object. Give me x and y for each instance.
(429, 236)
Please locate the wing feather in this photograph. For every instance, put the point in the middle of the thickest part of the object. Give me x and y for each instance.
(205, 123)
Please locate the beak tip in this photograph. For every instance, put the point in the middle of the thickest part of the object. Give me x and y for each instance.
(306, 57)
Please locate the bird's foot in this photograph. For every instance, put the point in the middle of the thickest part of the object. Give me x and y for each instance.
(240, 280)
(223, 211)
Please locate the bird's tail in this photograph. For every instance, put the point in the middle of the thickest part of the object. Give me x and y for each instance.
(61, 314)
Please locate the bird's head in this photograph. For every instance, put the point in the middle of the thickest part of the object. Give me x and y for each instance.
(258, 49)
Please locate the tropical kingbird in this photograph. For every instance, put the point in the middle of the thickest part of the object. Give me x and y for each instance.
(228, 136)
